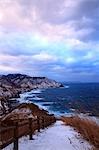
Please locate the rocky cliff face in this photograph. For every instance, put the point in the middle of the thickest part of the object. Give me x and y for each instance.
(13, 84)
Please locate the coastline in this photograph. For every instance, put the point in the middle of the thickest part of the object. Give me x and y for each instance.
(12, 85)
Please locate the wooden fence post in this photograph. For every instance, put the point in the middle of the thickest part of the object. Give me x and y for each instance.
(38, 123)
(16, 137)
(30, 129)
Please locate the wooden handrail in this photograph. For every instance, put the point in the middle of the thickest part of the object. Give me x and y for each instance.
(12, 133)
(2, 129)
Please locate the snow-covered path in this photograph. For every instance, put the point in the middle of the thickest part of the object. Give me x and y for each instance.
(56, 137)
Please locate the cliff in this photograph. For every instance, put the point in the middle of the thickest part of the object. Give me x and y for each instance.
(12, 85)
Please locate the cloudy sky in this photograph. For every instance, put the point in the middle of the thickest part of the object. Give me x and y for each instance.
(54, 38)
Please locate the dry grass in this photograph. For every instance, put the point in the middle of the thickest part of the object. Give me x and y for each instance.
(87, 128)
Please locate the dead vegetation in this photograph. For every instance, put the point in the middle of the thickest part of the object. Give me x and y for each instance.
(87, 128)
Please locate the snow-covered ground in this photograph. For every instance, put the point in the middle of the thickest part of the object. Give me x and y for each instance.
(56, 137)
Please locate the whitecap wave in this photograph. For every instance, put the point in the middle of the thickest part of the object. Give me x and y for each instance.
(66, 86)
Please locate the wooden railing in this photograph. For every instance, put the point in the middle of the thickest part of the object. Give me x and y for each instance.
(11, 134)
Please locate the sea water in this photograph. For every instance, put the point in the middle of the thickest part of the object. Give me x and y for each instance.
(72, 98)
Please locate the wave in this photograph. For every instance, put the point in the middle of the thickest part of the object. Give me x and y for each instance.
(38, 91)
(67, 86)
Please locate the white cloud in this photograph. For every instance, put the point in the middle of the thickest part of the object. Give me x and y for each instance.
(43, 56)
(4, 68)
(70, 60)
(23, 16)
(58, 68)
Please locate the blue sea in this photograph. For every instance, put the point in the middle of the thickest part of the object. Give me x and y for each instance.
(72, 98)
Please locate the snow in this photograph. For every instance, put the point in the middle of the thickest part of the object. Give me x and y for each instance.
(22, 111)
(56, 137)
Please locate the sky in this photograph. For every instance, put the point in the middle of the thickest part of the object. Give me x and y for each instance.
(58, 39)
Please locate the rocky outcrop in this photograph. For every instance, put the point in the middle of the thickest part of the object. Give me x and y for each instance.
(12, 85)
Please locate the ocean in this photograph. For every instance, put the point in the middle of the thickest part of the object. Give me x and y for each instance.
(72, 98)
